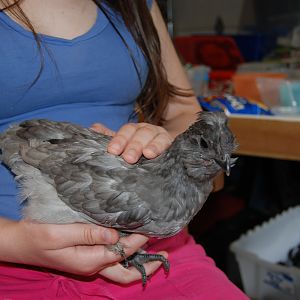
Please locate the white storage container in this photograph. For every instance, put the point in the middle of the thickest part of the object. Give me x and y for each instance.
(258, 252)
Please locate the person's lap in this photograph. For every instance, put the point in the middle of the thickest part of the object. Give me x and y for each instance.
(192, 275)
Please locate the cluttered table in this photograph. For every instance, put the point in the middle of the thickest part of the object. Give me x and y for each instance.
(262, 98)
(267, 136)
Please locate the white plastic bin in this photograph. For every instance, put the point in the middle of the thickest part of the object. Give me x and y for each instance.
(258, 252)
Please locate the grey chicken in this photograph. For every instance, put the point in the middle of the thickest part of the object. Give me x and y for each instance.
(66, 175)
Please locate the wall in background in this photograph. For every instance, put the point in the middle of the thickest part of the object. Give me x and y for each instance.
(279, 16)
(199, 16)
(238, 16)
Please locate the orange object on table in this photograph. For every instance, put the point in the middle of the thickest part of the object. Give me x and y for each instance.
(245, 84)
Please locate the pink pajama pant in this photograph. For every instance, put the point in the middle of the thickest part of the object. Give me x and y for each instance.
(192, 276)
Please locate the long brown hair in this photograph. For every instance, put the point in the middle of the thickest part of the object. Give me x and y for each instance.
(153, 99)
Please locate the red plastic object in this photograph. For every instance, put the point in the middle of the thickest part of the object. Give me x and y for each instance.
(220, 81)
(221, 74)
(218, 52)
(185, 45)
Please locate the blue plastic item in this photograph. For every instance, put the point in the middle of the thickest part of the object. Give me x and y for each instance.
(290, 93)
(256, 46)
(231, 104)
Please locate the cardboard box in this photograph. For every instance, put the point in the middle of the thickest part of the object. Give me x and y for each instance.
(258, 253)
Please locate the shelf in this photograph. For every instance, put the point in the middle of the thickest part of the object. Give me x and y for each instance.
(267, 136)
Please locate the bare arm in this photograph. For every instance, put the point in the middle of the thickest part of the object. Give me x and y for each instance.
(181, 111)
(134, 140)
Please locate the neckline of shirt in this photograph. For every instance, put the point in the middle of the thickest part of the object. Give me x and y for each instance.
(99, 25)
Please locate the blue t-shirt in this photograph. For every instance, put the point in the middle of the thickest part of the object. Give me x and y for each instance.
(88, 79)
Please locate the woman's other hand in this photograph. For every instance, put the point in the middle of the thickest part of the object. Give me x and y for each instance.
(73, 248)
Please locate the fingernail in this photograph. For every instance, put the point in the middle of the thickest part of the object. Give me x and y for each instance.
(131, 154)
(152, 149)
(107, 236)
(114, 147)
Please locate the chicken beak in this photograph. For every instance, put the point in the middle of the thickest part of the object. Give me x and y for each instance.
(225, 164)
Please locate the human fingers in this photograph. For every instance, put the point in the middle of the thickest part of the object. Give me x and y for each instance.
(87, 234)
(121, 138)
(100, 128)
(96, 252)
(119, 274)
(158, 145)
(80, 260)
(73, 248)
(58, 236)
(144, 134)
(59, 246)
(97, 257)
(132, 139)
(90, 259)
(132, 243)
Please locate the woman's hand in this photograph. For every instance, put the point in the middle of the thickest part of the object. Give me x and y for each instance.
(74, 248)
(136, 139)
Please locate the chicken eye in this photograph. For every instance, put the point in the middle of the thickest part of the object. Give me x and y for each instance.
(203, 143)
(194, 142)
